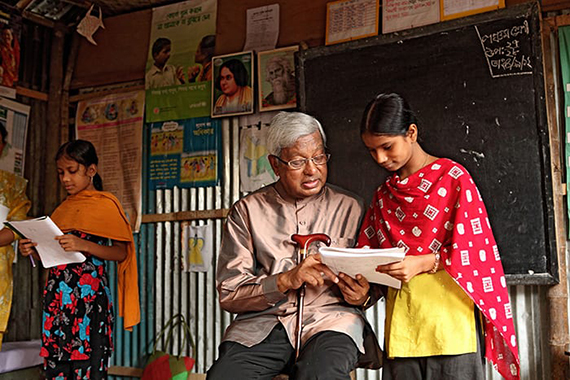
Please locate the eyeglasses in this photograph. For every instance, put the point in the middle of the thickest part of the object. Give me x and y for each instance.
(300, 163)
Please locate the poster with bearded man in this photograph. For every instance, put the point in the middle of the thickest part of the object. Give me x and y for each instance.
(276, 78)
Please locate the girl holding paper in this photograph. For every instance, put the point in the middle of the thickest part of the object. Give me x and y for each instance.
(78, 312)
(452, 275)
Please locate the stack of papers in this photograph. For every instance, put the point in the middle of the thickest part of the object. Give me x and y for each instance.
(364, 261)
(43, 232)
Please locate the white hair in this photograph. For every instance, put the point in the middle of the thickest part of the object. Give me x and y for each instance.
(287, 127)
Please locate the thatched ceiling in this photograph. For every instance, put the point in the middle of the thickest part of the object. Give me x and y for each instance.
(71, 11)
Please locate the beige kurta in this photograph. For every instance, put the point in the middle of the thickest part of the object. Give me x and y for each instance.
(257, 246)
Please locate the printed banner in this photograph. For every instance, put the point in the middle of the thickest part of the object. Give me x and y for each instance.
(197, 247)
(13, 130)
(254, 168)
(114, 125)
(179, 66)
(10, 31)
(185, 153)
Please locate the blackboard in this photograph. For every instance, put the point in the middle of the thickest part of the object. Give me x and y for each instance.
(477, 87)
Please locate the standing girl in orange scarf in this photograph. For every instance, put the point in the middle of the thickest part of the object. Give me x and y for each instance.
(78, 311)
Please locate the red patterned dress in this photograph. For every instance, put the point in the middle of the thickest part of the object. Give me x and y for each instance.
(439, 209)
(78, 318)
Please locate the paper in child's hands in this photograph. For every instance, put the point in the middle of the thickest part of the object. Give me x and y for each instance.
(43, 232)
(364, 261)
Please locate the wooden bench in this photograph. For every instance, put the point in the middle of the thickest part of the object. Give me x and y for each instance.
(137, 372)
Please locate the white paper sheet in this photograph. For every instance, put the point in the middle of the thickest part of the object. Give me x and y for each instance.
(262, 28)
(43, 232)
(3, 213)
(353, 261)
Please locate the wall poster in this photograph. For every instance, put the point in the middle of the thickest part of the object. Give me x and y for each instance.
(179, 63)
(114, 125)
(184, 153)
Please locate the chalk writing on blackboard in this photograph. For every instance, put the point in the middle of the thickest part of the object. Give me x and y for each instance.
(508, 51)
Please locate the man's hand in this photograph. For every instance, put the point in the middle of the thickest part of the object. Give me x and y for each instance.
(408, 268)
(354, 291)
(311, 272)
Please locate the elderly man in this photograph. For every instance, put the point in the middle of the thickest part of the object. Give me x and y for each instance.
(280, 75)
(258, 273)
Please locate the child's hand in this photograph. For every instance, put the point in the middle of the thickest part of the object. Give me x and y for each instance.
(72, 243)
(26, 247)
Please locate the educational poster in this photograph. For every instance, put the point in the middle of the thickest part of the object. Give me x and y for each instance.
(114, 125)
(197, 247)
(232, 87)
(451, 9)
(564, 41)
(13, 130)
(406, 14)
(351, 19)
(10, 32)
(185, 153)
(179, 63)
(254, 168)
(276, 79)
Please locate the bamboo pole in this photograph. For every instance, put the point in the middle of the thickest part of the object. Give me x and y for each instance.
(557, 295)
(55, 139)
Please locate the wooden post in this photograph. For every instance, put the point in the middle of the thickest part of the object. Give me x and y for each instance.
(54, 138)
(557, 295)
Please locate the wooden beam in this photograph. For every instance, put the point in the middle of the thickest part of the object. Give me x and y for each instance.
(125, 371)
(185, 215)
(22, 4)
(51, 189)
(31, 93)
(38, 19)
(72, 57)
(557, 295)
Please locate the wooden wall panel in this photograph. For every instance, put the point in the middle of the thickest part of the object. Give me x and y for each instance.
(121, 51)
(120, 54)
(300, 20)
(552, 5)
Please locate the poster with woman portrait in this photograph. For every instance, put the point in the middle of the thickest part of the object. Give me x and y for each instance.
(232, 87)
(276, 79)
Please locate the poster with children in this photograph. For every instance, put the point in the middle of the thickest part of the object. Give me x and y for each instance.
(184, 153)
(179, 69)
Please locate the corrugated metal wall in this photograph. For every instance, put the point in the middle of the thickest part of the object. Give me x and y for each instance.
(166, 290)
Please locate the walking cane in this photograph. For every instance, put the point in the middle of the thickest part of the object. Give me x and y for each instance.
(303, 241)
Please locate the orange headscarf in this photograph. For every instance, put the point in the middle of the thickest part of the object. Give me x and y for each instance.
(100, 213)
